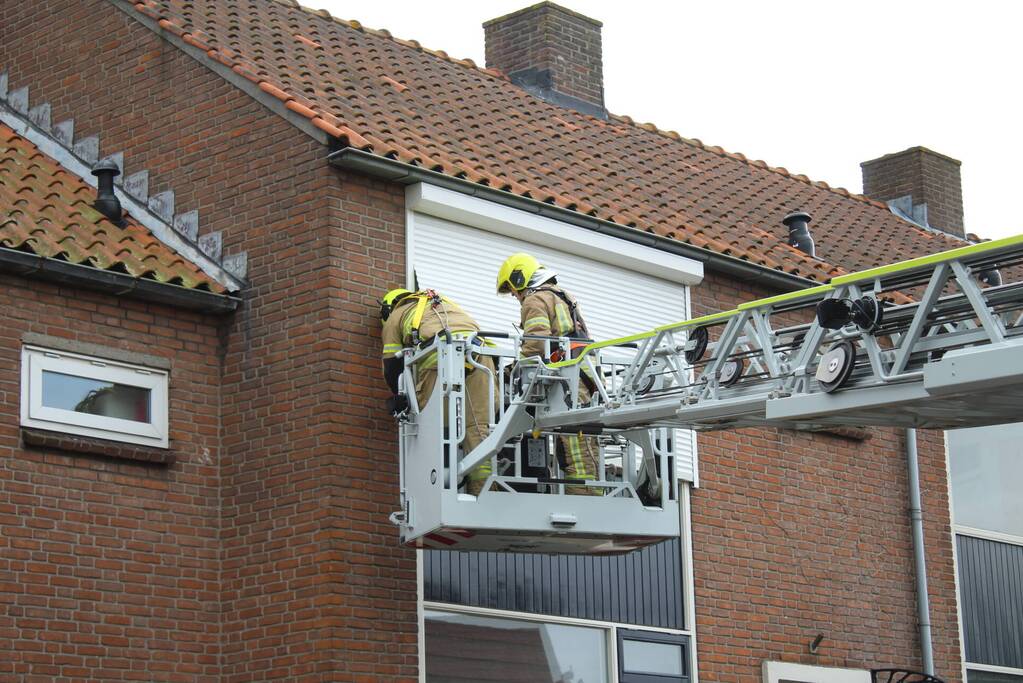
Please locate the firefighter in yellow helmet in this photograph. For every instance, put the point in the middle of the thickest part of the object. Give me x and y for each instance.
(547, 310)
(410, 318)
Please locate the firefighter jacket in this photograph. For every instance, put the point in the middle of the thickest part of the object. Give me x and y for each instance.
(549, 311)
(398, 328)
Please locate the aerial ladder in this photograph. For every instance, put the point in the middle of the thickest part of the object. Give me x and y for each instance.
(933, 342)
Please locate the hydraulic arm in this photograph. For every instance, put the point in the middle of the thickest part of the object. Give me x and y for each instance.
(932, 342)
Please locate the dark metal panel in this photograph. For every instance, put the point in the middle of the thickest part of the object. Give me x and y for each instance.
(643, 587)
(991, 587)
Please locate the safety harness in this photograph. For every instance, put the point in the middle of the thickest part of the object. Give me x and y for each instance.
(578, 324)
(578, 330)
(423, 298)
(430, 298)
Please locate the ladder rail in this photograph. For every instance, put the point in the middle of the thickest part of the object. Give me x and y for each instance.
(893, 354)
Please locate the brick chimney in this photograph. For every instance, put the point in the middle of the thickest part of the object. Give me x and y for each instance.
(920, 185)
(552, 52)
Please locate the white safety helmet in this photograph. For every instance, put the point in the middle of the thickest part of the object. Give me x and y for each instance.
(540, 276)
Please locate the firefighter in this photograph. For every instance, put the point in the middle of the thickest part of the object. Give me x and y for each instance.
(414, 318)
(547, 310)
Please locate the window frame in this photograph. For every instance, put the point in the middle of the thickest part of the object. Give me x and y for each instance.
(689, 613)
(647, 636)
(606, 629)
(35, 360)
(611, 634)
(990, 668)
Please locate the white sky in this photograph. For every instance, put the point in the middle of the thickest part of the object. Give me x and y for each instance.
(815, 87)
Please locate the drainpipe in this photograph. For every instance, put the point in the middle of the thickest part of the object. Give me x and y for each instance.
(917, 516)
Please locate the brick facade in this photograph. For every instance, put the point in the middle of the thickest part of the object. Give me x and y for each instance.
(312, 583)
(109, 568)
(930, 178)
(554, 42)
(263, 552)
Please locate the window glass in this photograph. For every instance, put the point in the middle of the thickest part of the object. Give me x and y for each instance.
(95, 397)
(992, 677)
(987, 476)
(652, 658)
(462, 648)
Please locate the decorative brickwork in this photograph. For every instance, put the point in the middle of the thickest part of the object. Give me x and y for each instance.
(928, 177)
(49, 211)
(44, 439)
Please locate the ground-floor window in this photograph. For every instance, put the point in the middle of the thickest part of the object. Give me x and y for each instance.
(976, 673)
(480, 646)
(990, 571)
(652, 657)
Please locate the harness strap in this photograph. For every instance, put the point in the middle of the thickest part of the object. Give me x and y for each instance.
(423, 298)
(578, 324)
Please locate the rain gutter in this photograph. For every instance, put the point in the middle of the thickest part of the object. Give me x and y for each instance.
(352, 159)
(110, 282)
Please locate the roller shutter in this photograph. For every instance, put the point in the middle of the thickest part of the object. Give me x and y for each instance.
(462, 262)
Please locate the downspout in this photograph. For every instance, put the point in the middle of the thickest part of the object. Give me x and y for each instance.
(917, 518)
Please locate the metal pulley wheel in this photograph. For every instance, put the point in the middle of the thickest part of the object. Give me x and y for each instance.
(867, 313)
(651, 379)
(698, 339)
(731, 372)
(836, 366)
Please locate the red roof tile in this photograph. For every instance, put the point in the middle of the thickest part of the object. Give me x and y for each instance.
(48, 211)
(397, 99)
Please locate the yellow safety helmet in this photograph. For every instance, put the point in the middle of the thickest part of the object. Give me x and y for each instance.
(390, 300)
(516, 272)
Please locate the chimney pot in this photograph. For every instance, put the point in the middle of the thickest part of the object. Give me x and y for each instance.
(551, 52)
(798, 223)
(106, 202)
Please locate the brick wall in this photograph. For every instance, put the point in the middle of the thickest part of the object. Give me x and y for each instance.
(550, 39)
(313, 585)
(931, 178)
(109, 567)
(796, 534)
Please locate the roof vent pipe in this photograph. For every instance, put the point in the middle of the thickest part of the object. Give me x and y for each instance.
(106, 202)
(798, 223)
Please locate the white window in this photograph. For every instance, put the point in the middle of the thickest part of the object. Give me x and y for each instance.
(785, 672)
(96, 397)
